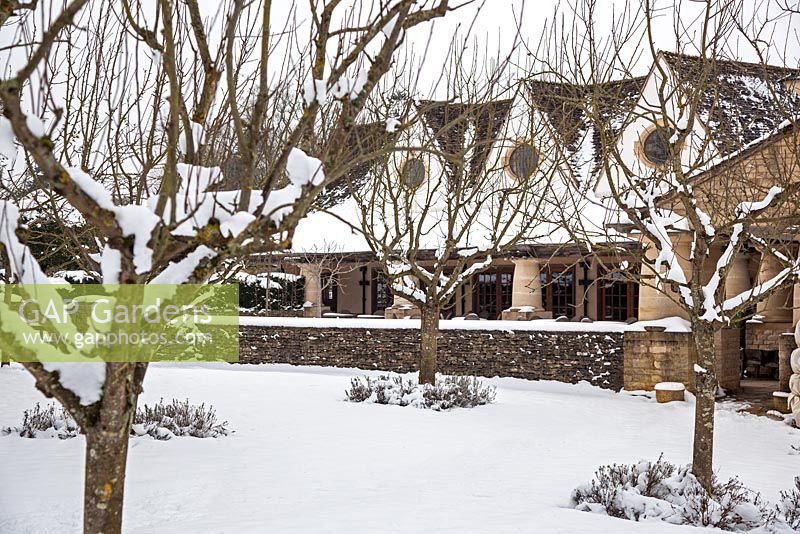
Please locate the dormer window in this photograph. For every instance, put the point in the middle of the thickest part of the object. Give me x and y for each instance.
(523, 159)
(413, 173)
(656, 145)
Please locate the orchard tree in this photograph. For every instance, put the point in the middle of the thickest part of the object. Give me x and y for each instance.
(699, 165)
(462, 185)
(121, 115)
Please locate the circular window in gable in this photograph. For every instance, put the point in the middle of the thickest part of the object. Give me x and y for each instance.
(522, 161)
(656, 145)
(413, 173)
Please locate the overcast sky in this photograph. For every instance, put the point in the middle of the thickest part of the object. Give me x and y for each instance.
(497, 20)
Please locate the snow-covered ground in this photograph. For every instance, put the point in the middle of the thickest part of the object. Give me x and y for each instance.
(303, 460)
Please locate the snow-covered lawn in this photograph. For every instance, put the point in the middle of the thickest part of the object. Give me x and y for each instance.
(303, 460)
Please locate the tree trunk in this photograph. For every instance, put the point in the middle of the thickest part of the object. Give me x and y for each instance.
(705, 379)
(428, 344)
(107, 451)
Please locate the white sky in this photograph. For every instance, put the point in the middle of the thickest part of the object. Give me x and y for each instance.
(496, 25)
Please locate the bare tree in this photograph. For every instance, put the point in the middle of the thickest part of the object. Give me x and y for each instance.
(698, 163)
(462, 185)
(116, 121)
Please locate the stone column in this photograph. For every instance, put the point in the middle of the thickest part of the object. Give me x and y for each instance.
(654, 303)
(775, 308)
(526, 292)
(312, 289)
(796, 304)
(738, 279)
(527, 288)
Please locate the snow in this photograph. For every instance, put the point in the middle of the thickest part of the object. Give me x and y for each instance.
(303, 460)
(134, 220)
(392, 123)
(670, 386)
(236, 224)
(111, 265)
(315, 91)
(746, 208)
(8, 148)
(672, 324)
(179, 272)
(85, 379)
(699, 369)
(23, 264)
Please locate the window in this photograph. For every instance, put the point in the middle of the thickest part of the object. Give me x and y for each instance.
(522, 161)
(492, 293)
(558, 291)
(413, 173)
(382, 296)
(619, 298)
(330, 290)
(656, 145)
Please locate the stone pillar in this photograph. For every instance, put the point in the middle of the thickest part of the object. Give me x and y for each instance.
(655, 303)
(526, 292)
(312, 289)
(775, 308)
(527, 288)
(796, 304)
(738, 279)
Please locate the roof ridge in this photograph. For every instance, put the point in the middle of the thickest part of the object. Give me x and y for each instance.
(732, 61)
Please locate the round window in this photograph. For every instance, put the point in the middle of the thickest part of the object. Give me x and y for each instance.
(522, 161)
(657, 145)
(413, 172)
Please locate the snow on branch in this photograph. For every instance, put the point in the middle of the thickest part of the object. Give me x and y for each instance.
(747, 208)
(23, 265)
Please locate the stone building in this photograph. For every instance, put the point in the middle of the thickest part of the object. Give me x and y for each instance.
(738, 125)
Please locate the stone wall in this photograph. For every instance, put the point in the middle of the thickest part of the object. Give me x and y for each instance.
(537, 355)
(653, 357)
(765, 336)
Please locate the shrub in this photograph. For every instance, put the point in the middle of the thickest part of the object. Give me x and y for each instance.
(165, 421)
(161, 421)
(449, 392)
(52, 421)
(787, 511)
(662, 491)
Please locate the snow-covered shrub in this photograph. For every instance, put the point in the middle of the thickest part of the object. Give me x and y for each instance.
(449, 392)
(52, 421)
(662, 491)
(165, 421)
(161, 421)
(787, 511)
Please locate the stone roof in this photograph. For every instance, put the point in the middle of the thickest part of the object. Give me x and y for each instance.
(565, 106)
(361, 148)
(744, 101)
(450, 122)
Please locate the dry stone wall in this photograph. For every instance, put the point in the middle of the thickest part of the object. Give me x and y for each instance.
(537, 355)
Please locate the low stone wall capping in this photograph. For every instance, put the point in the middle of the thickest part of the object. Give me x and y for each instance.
(566, 356)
